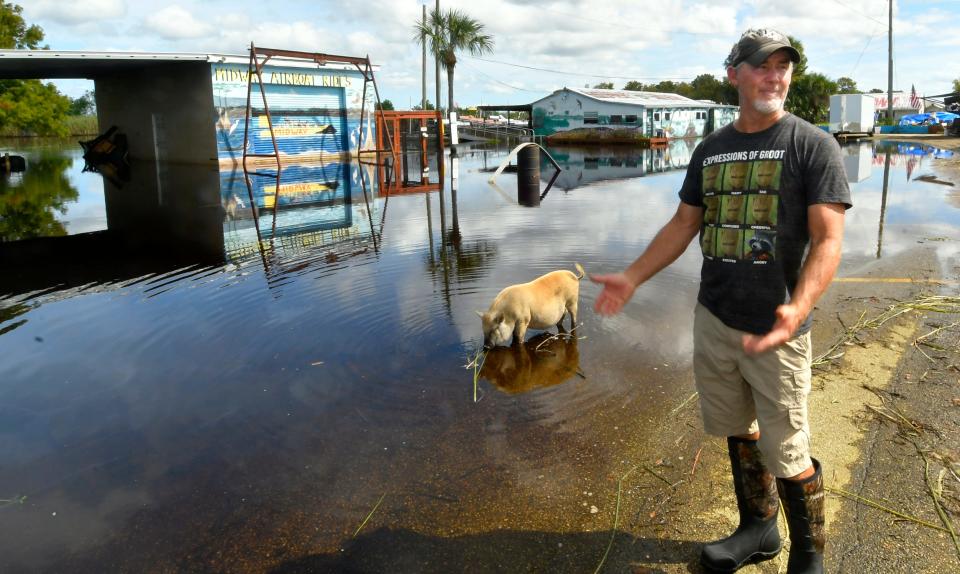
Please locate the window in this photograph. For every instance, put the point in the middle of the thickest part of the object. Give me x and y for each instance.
(631, 119)
(656, 116)
(666, 116)
(618, 119)
(590, 118)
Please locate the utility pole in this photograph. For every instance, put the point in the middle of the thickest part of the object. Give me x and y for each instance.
(889, 62)
(436, 103)
(423, 71)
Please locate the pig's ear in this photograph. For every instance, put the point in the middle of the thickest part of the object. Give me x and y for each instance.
(498, 318)
(479, 314)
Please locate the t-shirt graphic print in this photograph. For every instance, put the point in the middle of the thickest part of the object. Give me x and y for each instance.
(740, 210)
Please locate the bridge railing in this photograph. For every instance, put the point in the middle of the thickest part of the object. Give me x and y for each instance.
(499, 131)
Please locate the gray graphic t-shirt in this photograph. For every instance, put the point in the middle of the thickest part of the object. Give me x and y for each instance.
(755, 189)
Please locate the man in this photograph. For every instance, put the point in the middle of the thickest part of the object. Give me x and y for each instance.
(752, 350)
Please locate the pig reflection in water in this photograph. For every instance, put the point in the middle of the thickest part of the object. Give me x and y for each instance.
(522, 368)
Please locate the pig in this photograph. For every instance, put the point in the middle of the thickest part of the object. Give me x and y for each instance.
(539, 304)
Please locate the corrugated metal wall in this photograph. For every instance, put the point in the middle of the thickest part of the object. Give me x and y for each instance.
(305, 120)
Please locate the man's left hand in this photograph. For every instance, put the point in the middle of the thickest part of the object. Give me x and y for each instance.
(789, 318)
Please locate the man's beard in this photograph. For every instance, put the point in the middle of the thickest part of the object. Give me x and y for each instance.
(769, 106)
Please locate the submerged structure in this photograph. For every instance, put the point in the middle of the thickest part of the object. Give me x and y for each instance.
(197, 144)
(190, 107)
(653, 114)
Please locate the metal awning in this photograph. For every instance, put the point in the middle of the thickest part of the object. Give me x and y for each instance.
(50, 64)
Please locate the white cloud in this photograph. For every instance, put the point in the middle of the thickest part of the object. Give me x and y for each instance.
(71, 12)
(617, 40)
(175, 23)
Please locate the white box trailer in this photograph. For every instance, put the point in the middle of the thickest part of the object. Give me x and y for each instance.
(851, 113)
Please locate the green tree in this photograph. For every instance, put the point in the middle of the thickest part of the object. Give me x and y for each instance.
(956, 85)
(876, 91)
(604, 86)
(799, 68)
(33, 107)
(635, 86)
(846, 85)
(84, 105)
(449, 33)
(809, 97)
(709, 87)
(14, 32)
(385, 105)
(665, 87)
(706, 87)
(28, 106)
(430, 106)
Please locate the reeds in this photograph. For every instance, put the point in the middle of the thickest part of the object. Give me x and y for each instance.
(4, 502)
(931, 303)
(476, 363)
(362, 524)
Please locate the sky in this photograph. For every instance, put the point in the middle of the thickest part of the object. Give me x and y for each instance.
(539, 45)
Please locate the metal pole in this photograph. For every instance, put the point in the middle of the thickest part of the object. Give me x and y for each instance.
(437, 31)
(363, 108)
(889, 62)
(423, 74)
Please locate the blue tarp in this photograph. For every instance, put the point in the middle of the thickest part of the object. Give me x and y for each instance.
(927, 119)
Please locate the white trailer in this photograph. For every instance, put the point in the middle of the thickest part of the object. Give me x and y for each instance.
(851, 113)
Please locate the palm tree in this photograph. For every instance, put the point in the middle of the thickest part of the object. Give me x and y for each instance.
(448, 33)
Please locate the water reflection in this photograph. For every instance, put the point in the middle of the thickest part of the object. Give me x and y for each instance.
(542, 361)
(583, 166)
(883, 201)
(31, 201)
(901, 198)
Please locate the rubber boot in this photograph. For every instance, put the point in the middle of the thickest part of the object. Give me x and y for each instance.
(803, 505)
(756, 538)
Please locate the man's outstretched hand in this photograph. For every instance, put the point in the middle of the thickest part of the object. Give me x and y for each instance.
(788, 320)
(617, 290)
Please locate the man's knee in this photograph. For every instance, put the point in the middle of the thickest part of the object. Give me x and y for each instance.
(786, 450)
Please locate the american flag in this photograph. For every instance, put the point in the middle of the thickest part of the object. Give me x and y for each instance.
(915, 101)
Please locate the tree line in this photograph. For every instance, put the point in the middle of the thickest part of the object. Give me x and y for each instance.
(809, 96)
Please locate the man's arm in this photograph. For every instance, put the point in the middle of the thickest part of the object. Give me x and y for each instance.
(670, 242)
(825, 222)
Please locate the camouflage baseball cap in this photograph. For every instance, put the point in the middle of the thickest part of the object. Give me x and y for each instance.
(756, 45)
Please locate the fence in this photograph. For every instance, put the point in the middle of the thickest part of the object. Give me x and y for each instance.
(499, 132)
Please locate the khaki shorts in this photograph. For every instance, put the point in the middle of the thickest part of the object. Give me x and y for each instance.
(742, 394)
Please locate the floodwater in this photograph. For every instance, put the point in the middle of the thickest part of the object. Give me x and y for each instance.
(176, 395)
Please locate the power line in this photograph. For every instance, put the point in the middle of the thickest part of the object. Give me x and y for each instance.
(862, 14)
(563, 73)
(870, 39)
(499, 82)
